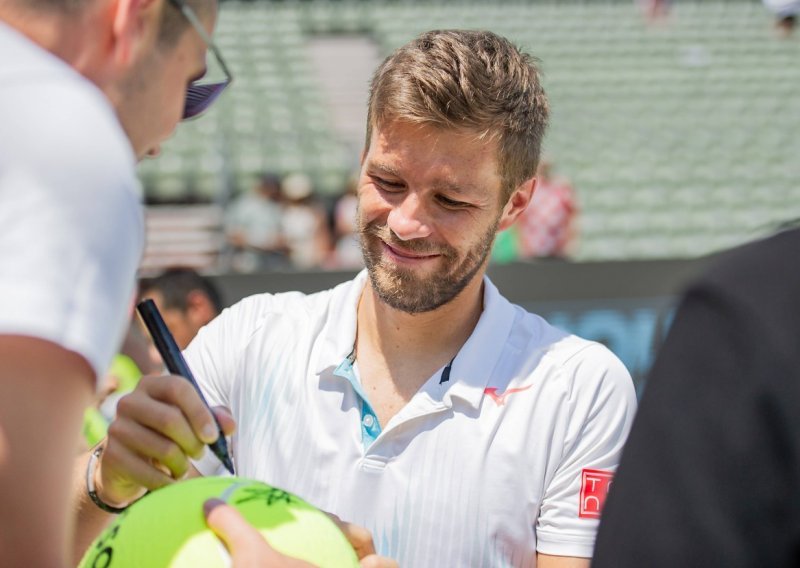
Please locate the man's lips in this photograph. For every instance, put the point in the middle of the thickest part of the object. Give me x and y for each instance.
(407, 254)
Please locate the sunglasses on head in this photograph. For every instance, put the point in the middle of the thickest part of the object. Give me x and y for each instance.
(199, 95)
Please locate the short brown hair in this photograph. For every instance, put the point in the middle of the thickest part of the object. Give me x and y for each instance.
(467, 80)
(64, 7)
(173, 23)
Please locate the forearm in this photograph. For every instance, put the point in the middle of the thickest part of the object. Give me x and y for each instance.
(137, 458)
(550, 561)
(43, 392)
(90, 520)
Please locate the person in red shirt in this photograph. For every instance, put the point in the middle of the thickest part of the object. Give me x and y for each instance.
(547, 228)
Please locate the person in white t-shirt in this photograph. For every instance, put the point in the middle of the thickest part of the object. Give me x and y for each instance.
(86, 88)
(253, 229)
(414, 400)
(785, 13)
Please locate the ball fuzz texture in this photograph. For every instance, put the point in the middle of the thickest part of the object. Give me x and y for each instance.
(167, 528)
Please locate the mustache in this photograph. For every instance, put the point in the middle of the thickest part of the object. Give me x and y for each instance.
(419, 246)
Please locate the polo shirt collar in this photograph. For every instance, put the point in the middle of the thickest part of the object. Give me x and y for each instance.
(339, 332)
(473, 365)
(475, 362)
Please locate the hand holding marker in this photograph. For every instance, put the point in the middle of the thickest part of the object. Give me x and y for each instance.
(176, 364)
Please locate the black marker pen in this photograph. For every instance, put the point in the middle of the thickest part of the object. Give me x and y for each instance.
(176, 364)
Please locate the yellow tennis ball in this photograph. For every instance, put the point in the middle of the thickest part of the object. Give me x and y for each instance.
(167, 528)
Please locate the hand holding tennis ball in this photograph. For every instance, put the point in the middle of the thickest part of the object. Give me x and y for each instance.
(167, 529)
(248, 549)
(244, 543)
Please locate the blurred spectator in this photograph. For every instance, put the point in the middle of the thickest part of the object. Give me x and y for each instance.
(655, 11)
(253, 228)
(506, 246)
(347, 249)
(547, 228)
(785, 12)
(304, 223)
(186, 300)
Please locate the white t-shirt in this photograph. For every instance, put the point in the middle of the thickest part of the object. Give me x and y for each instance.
(506, 457)
(71, 220)
(257, 217)
(783, 8)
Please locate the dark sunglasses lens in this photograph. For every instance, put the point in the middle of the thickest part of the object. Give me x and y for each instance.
(200, 97)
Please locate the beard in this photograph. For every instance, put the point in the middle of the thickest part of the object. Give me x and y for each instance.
(403, 289)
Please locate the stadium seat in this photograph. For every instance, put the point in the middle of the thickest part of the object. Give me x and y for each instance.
(679, 138)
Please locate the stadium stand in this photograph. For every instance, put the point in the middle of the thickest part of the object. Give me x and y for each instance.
(680, 139)
(187, 235)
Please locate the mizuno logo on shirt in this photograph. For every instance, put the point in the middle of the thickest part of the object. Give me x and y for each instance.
(500, 398)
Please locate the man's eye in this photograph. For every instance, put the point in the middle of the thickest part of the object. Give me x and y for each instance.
(386, 184)
(451, 203)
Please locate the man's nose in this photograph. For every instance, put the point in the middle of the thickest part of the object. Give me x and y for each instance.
(409, 220)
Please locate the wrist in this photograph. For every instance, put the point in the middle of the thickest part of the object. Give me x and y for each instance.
(94, 486)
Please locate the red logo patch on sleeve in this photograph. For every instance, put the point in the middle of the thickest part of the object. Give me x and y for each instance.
(595, 484)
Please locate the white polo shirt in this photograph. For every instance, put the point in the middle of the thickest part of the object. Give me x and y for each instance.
(509, 455)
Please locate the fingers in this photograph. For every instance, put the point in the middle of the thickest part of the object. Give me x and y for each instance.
(359, 537)
(146, 443)
(374, 561)
(226, 421)
(244, 543)
(178, 392)
(361, 541)
(158, 427)
(129, 462)
(247, 547)
(122, 476)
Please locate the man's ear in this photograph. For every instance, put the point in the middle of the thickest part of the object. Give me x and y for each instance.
(199, 308)
(134, 27)
(516, 204)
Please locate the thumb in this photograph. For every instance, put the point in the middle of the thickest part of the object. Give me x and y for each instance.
(245, 544)
(358, 537)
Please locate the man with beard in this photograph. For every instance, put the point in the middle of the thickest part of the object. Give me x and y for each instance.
(413, 400)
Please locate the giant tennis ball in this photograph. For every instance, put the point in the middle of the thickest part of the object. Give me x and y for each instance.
(167, 528)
